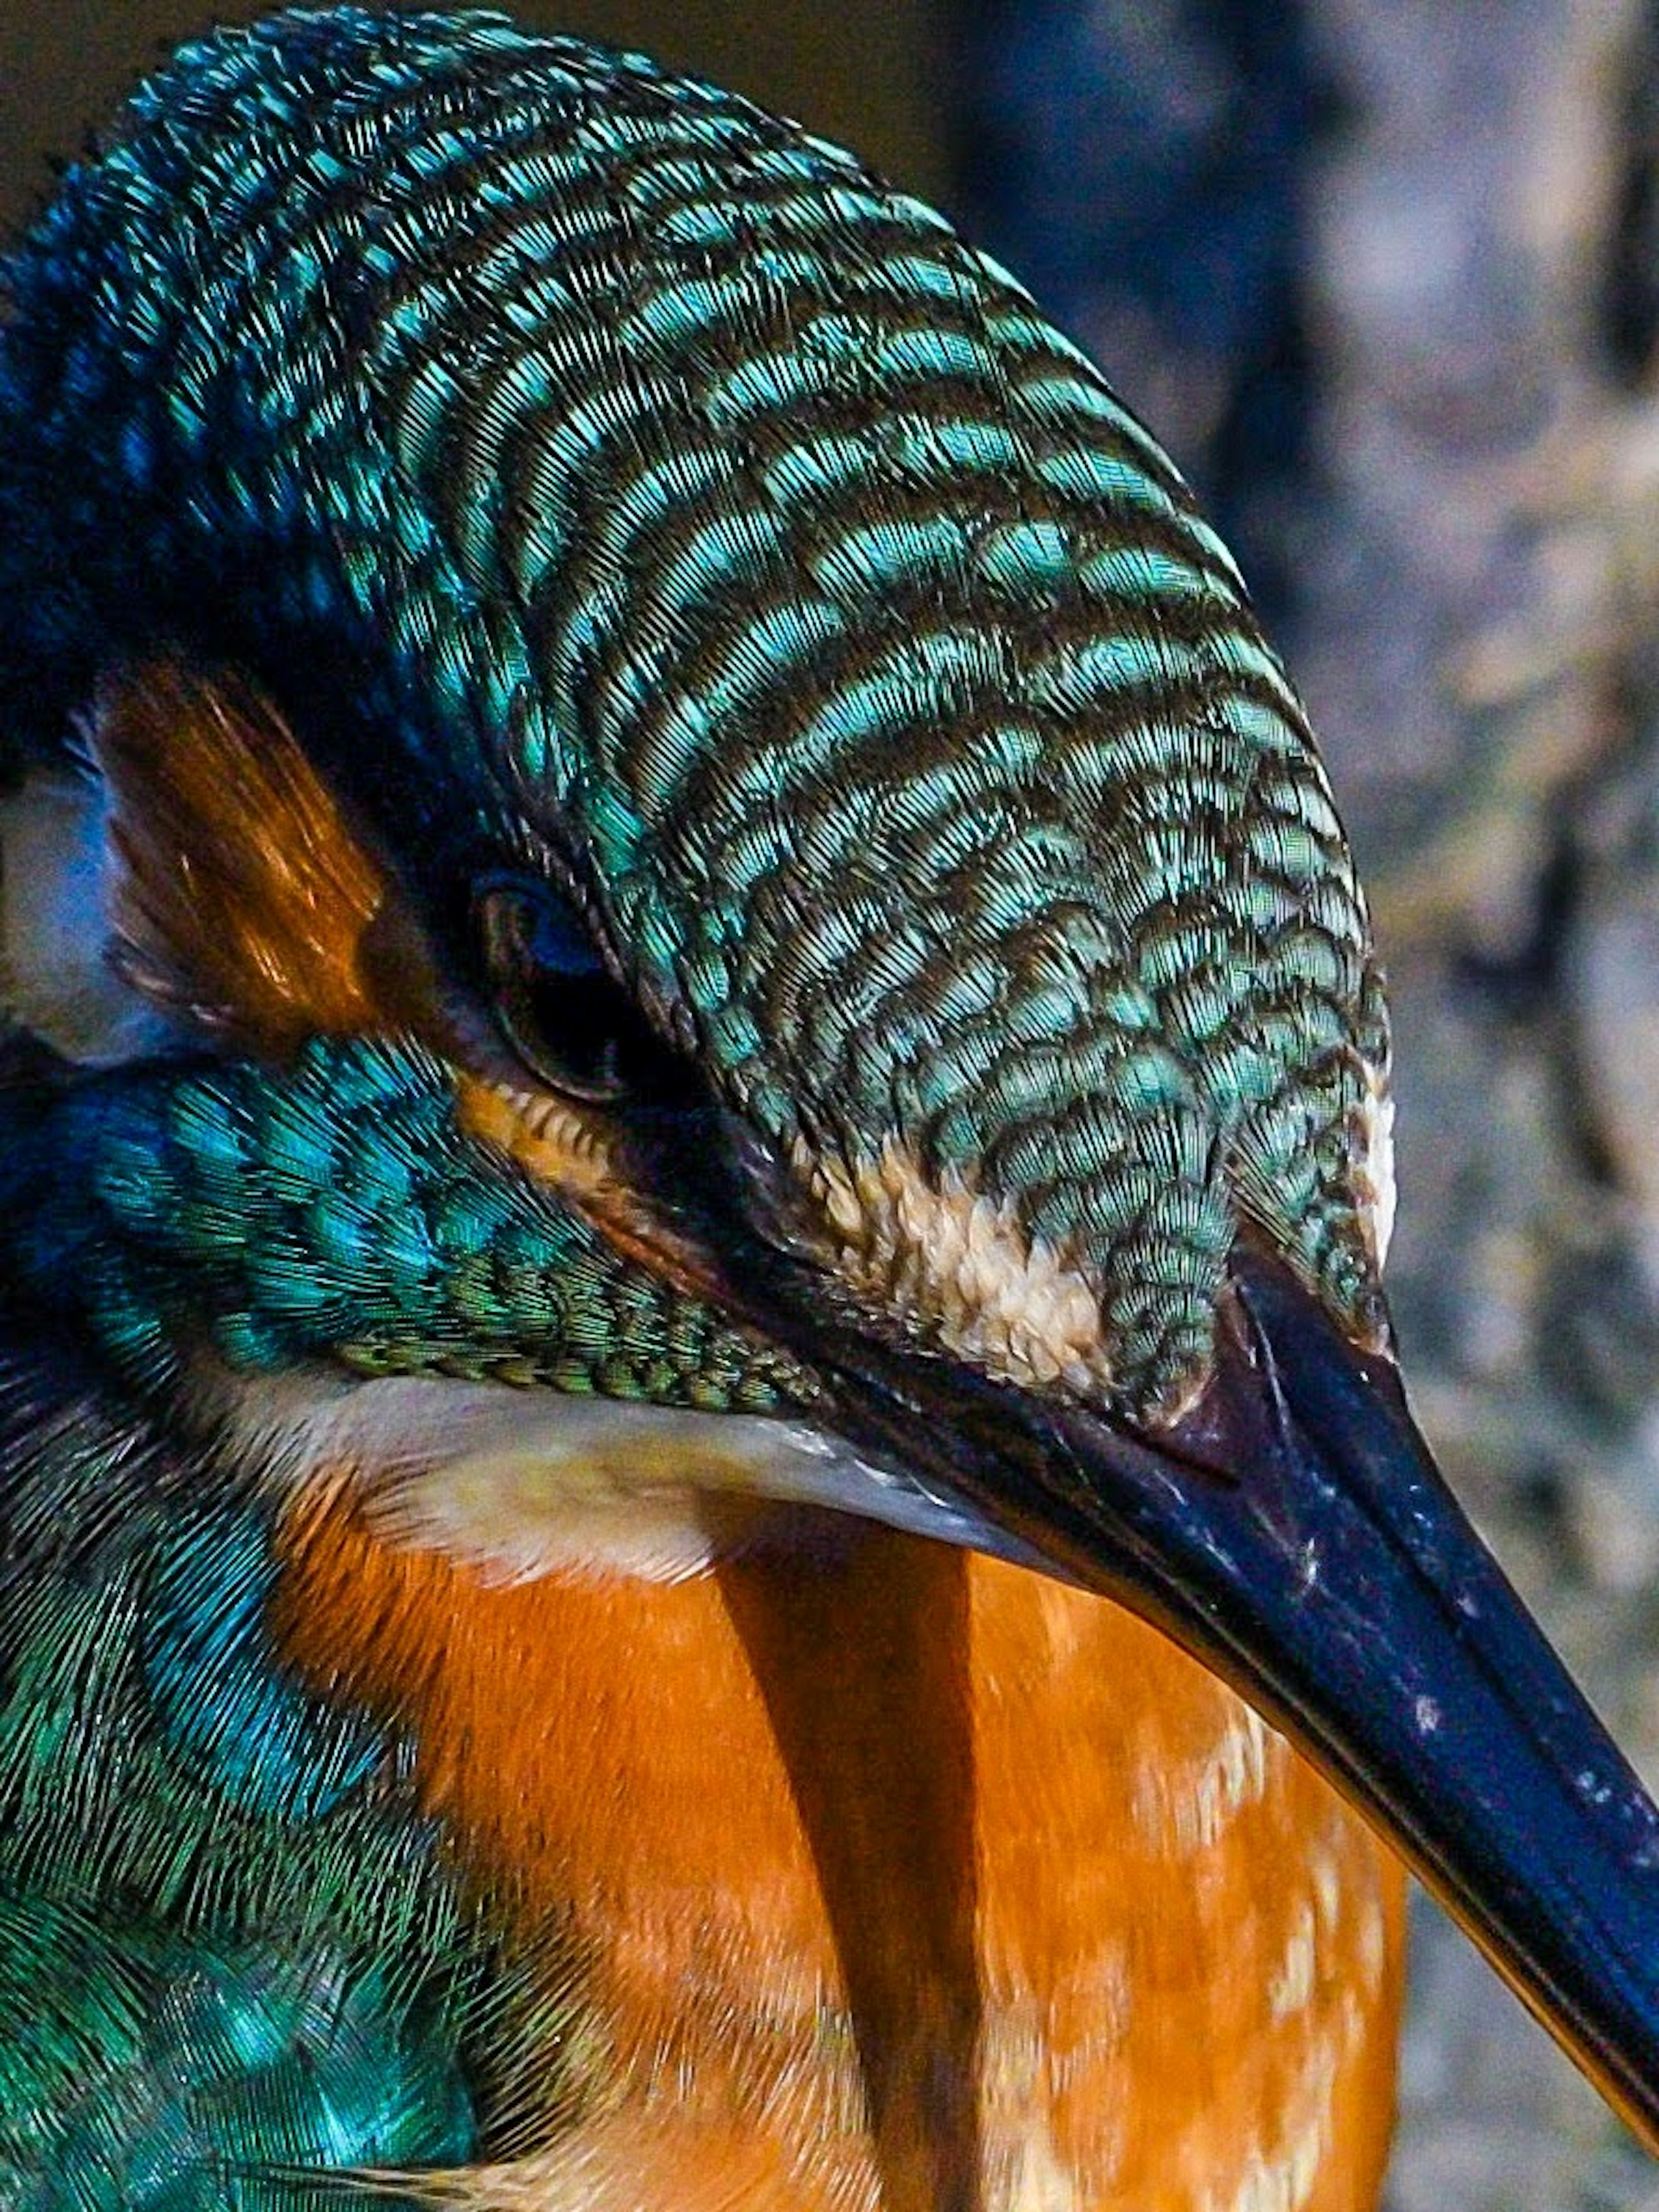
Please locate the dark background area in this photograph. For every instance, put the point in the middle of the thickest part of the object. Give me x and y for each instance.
(1382, 273)
(864, 73)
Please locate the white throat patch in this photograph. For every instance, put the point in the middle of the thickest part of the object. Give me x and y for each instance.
(519, 1484)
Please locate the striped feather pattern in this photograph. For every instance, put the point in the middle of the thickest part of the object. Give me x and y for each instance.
(600, 443)
(589, 477)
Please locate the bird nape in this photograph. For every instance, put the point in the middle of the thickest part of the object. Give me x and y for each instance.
(695, 1101)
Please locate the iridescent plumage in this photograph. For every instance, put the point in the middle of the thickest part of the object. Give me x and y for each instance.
(634, 485)
(630, 783)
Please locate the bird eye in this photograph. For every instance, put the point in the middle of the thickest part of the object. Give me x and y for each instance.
(559, 1007)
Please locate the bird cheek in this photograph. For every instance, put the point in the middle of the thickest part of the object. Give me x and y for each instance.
(335, 1217)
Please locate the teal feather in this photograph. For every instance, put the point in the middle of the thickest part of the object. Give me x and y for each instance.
(342, 1211)
(229, 1939)
(616, 485)
(640, 464)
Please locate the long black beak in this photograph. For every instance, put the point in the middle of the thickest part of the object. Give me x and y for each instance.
(1295, 1536)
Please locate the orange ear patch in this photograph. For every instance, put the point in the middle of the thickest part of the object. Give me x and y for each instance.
(244, 897)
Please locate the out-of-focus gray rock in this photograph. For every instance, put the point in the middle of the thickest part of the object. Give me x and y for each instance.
(1475, 630)
(1386, 274)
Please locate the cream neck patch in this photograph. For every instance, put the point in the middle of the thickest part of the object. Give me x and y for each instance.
(961, 1268)
(519, 1484)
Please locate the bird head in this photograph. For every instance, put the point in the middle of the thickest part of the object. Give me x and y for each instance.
(663, 888)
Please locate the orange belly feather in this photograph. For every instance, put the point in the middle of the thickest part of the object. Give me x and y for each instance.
(895, 1880)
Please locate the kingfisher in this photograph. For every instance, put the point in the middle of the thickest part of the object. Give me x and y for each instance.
(706, 1503)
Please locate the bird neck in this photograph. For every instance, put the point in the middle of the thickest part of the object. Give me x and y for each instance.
(902, 1850)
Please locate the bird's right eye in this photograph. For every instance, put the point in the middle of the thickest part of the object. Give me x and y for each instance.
(567, 1018)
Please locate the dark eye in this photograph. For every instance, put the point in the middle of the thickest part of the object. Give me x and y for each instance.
(559, 1007)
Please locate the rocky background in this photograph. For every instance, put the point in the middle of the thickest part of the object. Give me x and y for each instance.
(1384, 275)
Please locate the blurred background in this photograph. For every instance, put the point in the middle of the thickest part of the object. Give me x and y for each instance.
(1383, 275)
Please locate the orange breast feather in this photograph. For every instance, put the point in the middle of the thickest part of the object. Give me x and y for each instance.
(895, 1879)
